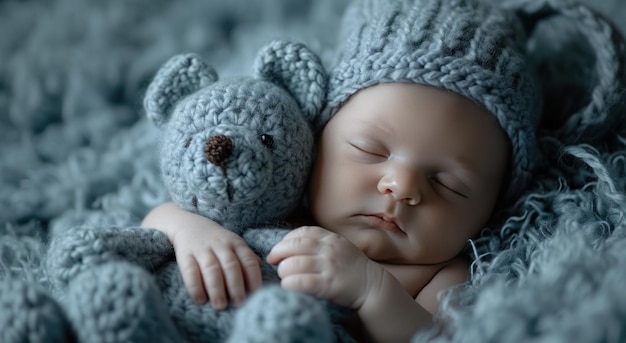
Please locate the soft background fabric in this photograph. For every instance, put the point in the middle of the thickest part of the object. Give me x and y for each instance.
(75, 148)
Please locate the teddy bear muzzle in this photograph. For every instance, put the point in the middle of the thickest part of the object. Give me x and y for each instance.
(232, 164)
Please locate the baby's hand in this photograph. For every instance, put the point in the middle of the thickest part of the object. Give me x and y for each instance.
(322, 263)
(217, 263)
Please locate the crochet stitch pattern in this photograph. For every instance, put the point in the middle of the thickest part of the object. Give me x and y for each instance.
(77, 150)
(211, 129)
(468, 47)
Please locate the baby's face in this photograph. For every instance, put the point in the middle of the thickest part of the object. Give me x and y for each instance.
(408, 173)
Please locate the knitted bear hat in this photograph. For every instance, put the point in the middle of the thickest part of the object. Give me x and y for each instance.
(468, 47)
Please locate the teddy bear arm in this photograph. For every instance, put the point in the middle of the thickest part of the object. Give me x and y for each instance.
(81, 248)
(261, 240)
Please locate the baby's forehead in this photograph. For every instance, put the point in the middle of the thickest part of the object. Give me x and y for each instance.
(384, 100)
(459, 133)
(474, 48)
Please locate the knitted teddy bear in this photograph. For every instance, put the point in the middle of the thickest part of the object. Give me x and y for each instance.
(237, 151)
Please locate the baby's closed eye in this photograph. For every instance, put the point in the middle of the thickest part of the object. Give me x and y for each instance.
(369, 150)
(448, 184)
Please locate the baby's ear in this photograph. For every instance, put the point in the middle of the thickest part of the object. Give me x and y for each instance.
(180, 76)
(297, 69)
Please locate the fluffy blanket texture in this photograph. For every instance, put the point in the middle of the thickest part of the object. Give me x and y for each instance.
(76, 149)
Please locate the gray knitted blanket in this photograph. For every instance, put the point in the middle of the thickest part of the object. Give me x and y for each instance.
(75, 149)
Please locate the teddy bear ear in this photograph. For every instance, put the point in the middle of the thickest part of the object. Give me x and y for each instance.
(601, 77)
(297, 69)
(180, 76)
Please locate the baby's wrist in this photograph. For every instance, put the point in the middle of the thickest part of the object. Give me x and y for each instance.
(376, 285)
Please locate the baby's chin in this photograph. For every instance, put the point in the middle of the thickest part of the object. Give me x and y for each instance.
(375, 244)
(381, 248)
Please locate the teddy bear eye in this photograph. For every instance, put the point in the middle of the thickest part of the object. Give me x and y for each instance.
(267, 140)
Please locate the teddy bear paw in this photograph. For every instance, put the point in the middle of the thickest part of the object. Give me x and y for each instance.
(119, 302)
(273, 314)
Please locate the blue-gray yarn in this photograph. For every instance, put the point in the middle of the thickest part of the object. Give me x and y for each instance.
(237, 151)
(258, 132)
(553, 271)
(294, 317)
(122, 284)
(118, 302)
(28, 314)
(603, 75)
(468, 47)
(560, 277)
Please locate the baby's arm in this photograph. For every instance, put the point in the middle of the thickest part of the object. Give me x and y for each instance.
(454, 273)
(390, 314)
(389, 311)
(213, 261)
(319, 262)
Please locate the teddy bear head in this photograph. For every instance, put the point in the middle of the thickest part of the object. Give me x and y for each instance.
(238, 150)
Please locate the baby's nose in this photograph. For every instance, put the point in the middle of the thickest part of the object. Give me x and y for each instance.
(218, 149)
(403, 184)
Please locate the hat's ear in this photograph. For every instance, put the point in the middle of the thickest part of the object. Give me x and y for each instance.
(605, 78)
(297, 69)
(180, 76)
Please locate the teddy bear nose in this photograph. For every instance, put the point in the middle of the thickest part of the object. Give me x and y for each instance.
(217, 150)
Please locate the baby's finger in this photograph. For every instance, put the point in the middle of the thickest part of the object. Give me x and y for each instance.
(307, 231)
(192, 279)
(301, 264)
(251, 265)
(233, 275)
(214, 281)
(296, 245)
(307, 283)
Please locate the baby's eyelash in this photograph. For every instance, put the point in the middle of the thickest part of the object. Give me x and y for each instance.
(368, 151)
(444, 185)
